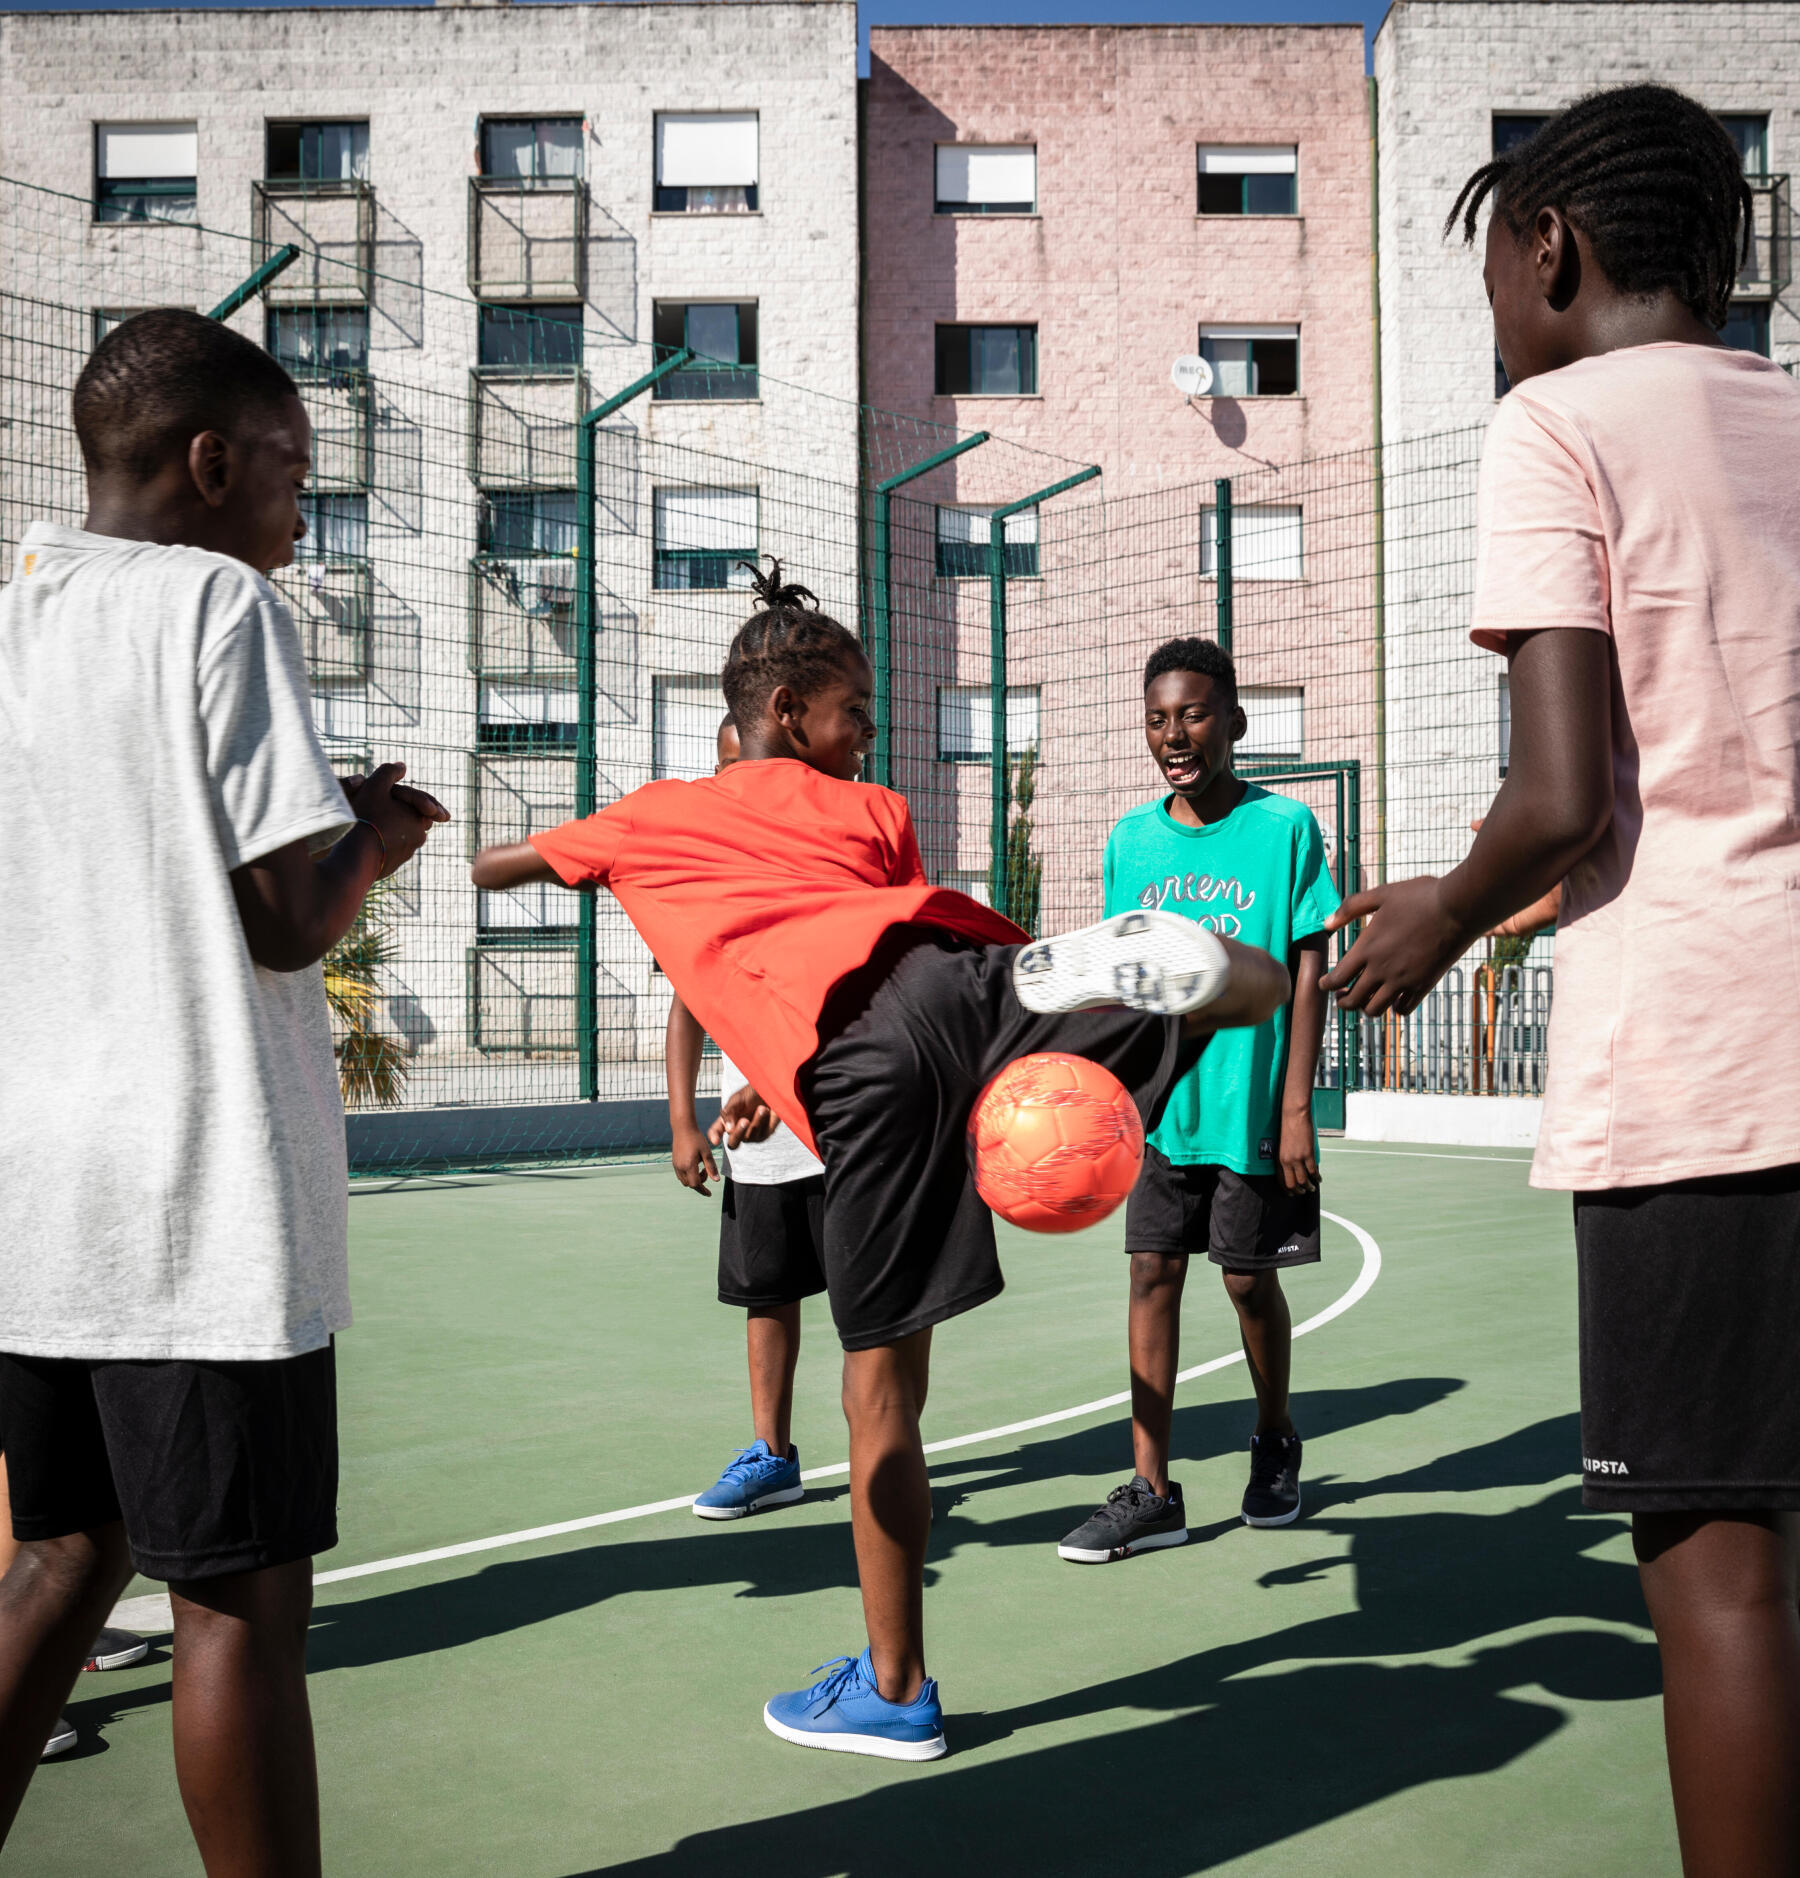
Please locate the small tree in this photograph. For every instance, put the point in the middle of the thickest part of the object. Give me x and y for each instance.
(372, 1067)
(1024, 868)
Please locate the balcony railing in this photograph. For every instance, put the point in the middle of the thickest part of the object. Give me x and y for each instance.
(332, 601)
(527, 237)
(522, 425)
(1483, 1031)
(340, 401)
(522, 617)
(1769, 268)
(333, 226)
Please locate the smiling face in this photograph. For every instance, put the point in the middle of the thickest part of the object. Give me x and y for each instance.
(829, 729)
(1190, 723)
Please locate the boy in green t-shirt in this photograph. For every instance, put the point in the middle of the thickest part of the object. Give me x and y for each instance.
(1232, 1165)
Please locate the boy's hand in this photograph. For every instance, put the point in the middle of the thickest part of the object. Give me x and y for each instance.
(693, 1161)
(1412, 938)
(402, 816)
(1299, 1150)
(745, 1116)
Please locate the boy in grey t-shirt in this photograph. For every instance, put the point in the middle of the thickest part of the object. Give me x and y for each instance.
(172, 1178)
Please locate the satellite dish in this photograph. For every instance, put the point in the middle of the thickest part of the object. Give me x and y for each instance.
(1191, 375)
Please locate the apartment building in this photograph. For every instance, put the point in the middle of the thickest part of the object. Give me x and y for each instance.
(503, 217)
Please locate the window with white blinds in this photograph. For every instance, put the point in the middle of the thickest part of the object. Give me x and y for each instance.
(706, 161)
(1266, 542)
(702, 534)
(965, 722)
(146, 172)
(687, 711)
(963, 535)
(1275, 721)
(986, 179)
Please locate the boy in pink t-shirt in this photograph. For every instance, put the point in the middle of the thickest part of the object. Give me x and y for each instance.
(1639, 566)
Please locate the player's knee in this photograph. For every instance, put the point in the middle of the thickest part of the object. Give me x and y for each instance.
(1253, 1292)
(1155, 1274)
(268, 1609)
(74, 1566)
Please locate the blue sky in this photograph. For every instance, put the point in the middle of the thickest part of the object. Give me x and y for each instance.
(976, 12)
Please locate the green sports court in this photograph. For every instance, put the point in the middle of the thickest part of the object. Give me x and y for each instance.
(1443, 1668)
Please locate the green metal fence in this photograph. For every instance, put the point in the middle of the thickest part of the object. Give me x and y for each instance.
(521, 576)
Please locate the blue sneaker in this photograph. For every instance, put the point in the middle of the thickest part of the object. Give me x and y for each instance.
(757, 1477)
(846, 1712)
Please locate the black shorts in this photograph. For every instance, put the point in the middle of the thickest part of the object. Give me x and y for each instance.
(213, 1467)
(1690, 1323)
(1247, 1222)
(771, 1241)
(910, 1042)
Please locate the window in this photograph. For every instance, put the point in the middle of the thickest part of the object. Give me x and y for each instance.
(965, 722)
(1252, 361)
(1505, 722)
(986, 361)
(107, 317)
(542, 522)
(341, 717)
(527, 717)
(702, 535)
(1249, 179)
(1265, 542)
(722, 333)
(986, 179)
(706, 162)
(1512, 128)
(1747, 326)
(318, 153)
(1274, 728)
(337, 528)
(530, 149)
(1751, 135)
(530, 339)
(145, 172)
(962, 543)
(686, 713)
(313, 339)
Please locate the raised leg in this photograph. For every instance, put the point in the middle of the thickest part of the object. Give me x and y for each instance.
(243, 1731)
(773, 1334)
(1267, 1328)
(1721, 1592)
(890, 1504)
(1153, 1337)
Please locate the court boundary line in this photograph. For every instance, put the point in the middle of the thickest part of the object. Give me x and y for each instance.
(1425, 1154)
(1363, 1284)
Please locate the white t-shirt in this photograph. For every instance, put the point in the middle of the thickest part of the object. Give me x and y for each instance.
(764, 1163)
(172, 1170)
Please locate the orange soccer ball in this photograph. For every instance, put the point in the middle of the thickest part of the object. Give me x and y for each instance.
(1055, 1141)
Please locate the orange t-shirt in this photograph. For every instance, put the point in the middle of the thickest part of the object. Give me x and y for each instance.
(758, 890)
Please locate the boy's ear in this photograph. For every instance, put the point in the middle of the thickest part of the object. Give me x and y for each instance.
(1557, 258)
(1240, 724)
(209, 467)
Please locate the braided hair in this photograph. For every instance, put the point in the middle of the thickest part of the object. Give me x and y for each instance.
(1649, 177)
(787, 641)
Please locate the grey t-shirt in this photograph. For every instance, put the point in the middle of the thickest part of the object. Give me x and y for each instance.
(172, 1176)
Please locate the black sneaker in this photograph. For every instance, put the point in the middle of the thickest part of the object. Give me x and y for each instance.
(1133, 1520)
(62, 1738)
(116, 1649)
(1273, 1495)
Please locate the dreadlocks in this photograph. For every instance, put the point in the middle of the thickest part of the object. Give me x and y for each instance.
(1648, 176)
(788, 641)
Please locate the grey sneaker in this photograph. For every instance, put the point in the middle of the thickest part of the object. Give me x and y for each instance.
(62, 1738)
(1134, 1519)
(1155, 962)
(116, 1649)
(1273, 1495)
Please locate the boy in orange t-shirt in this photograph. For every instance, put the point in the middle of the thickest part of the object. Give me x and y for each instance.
(788, 905)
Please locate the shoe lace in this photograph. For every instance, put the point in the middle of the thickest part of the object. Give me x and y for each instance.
(1121, 1503)
(1268, 1458)
(745, 1463)
(837, 1675)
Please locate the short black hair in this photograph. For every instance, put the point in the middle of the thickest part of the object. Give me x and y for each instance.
(788, 641)
(159, 379)
(1649, 176)
(1202, 656)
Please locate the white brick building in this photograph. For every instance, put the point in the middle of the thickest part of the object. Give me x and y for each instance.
(500, 210)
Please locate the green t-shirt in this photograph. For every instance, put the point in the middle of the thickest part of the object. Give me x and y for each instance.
(1258, 876)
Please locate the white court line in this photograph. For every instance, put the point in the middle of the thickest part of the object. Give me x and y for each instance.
(1371, 1270)
(1422, 1154)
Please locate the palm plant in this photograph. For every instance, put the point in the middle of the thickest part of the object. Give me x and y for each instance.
(372, 1067)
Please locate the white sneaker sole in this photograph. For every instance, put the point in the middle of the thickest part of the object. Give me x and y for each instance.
(785, 1497)
(1280, 1519)
(1076, 1555)
(1154, 962)
(120, 1659)
(60, 1742)
(875, 1745)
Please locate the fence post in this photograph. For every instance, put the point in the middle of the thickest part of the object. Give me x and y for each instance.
(999, 779)
(278, 263)
(587, 957)
(1222, 557)
(881, 604)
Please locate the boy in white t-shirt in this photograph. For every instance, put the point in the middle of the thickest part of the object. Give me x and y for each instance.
(771, 1238)
(173, 1202)
(1638, 563)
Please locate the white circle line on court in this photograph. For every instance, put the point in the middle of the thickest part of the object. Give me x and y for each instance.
(1365, 1279)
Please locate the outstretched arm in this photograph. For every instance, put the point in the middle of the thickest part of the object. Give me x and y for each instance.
(510, 864)
(682, 1044)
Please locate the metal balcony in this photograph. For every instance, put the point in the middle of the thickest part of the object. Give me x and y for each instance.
(340, 401)
(1769, 268)
(527, 237)
(522, 617)
(332, 601)
(522, 425)
(333, 226)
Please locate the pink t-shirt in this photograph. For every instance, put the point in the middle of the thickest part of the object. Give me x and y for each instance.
(1653, 493)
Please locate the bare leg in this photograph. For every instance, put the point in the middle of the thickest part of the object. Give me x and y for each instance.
(1267, 1329)
(243, 1731)
(1153, 1337)
(1721, 1591)
(773, 1334)
(9, 1546)
(53, 1601)
(890, 1504)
